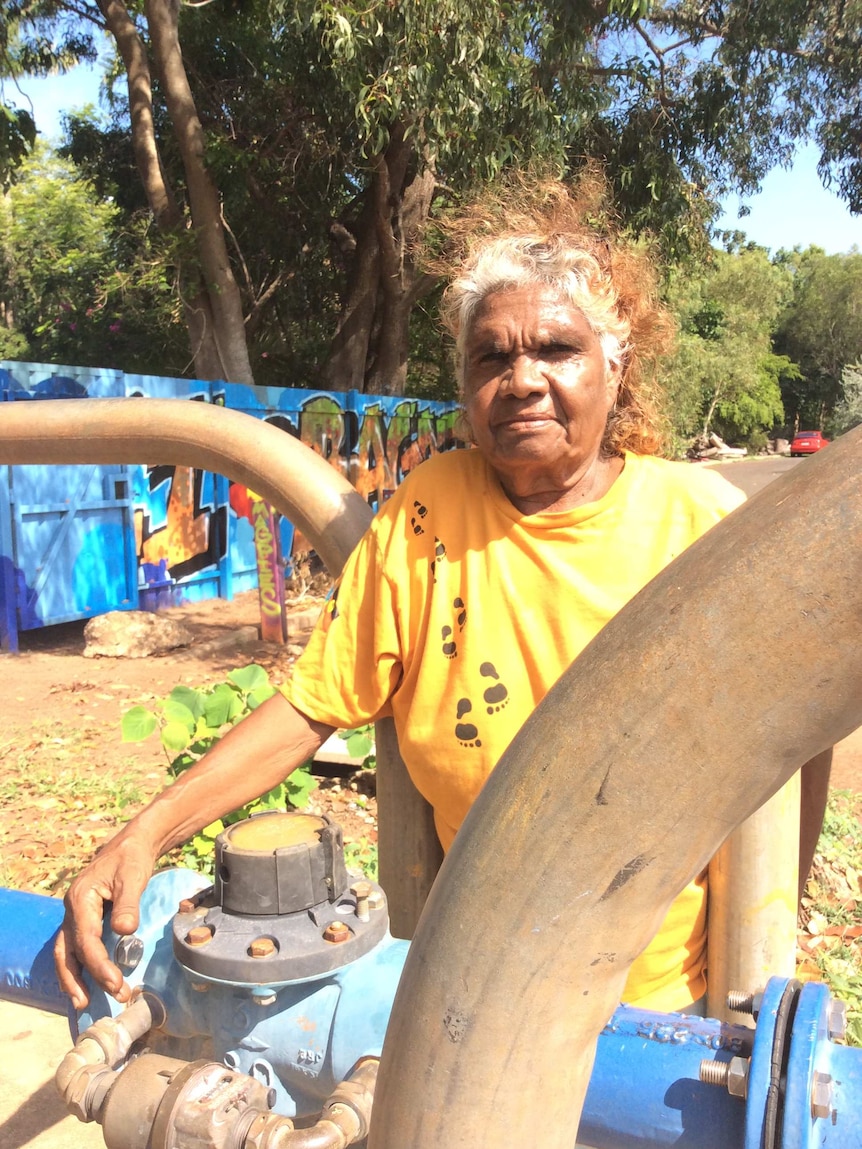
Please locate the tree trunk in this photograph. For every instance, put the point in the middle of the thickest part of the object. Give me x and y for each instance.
(221, 318)
(202, 322)
(709, 414)
(345, 366)
(160, 197)
(369, 351)
(400, 218)
(198, 313)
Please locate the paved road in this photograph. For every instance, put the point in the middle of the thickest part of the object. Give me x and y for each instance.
(751, 475)
(32, 1044)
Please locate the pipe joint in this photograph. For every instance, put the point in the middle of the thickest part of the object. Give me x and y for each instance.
(102, 1047)
(344, 1120)
(87, 1090)
(354, 1095)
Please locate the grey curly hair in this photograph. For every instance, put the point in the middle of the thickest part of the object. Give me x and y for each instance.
(523, 235)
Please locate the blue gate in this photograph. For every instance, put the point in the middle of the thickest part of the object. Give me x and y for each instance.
(68, 558)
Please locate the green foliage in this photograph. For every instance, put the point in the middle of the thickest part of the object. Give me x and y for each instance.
(190, 721)
(33, 40)
(321, 116)
(821, 330)
(362, 855)
(848, 410)
(17, 137)
(723, 375)
(78, 283)
(360, 744)
(53, 247)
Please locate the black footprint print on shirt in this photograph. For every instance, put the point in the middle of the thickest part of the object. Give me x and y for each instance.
(421, 511)
(497, 696)
(439, 555)
(449, 647)
(466, 732)
(462, 612)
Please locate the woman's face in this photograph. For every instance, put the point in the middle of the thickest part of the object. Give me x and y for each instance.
(537, 391)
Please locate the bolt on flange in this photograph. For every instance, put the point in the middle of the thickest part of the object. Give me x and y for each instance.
(199, 935)
(336, 932)
(362, 892)
(741, 1001)
(262, 947)
(733, 1075)
(264, 995)
(836, 1020)
(128, 952)
(821, 1095)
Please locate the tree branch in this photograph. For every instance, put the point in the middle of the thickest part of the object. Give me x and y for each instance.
(159, 194)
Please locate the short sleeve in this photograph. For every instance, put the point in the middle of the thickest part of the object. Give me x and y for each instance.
(353, 662)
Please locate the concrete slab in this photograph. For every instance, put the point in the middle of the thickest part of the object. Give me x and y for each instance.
(32, 1044)
(333, 752)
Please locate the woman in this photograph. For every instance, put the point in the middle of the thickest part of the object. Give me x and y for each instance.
(481, 579)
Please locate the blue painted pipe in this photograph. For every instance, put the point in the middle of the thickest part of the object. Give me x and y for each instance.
(28, 926)
(645, 1088)
(645, 1091)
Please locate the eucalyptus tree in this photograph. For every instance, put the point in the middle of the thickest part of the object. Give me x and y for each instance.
(291, 152)
(821, 330)
(724, 375)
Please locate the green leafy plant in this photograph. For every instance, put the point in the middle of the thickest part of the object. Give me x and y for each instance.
(189, 722)
(362, 856)
(360, 744)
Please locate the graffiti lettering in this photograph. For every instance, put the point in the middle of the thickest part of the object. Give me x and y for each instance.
(393, 439)
(270, 577)
(268, 571)
(322, 427)
(190, 535)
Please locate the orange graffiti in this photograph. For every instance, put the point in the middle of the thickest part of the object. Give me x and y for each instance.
(185, 534)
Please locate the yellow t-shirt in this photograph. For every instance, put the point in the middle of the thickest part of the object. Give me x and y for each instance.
(456, 614)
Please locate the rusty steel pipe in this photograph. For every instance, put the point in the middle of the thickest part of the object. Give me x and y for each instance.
(683, 715)
(297, 482)
(290, 476)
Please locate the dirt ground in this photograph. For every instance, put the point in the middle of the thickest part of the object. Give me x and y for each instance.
(60, 741)
(60, 737)
(60, 744)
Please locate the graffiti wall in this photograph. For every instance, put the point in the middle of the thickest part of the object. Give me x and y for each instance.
(186, 534)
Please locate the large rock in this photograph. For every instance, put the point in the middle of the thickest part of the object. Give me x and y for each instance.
(133, 634)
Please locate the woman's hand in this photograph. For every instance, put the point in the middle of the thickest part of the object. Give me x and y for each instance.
(253, 757)
(118, 874)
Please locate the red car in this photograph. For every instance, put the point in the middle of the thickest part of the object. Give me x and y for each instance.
(806, 443)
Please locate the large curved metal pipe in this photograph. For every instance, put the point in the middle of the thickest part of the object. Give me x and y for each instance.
(683, 715)
(290, 476)
(297, 482)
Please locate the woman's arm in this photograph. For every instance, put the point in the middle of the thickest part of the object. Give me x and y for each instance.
(252, 758)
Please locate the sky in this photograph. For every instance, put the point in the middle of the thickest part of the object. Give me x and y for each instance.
(792, 208)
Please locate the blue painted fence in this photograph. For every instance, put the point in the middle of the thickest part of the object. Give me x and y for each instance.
(77, 541)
